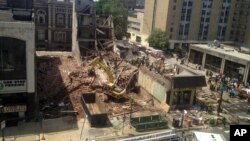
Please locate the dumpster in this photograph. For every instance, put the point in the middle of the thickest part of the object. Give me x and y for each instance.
(147, 123)
(94, 108)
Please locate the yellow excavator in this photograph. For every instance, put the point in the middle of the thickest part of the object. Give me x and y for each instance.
(111, 88)
(118, 92)
(100, 62)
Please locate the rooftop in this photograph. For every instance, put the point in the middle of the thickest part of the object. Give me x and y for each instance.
(226, 50)
(202, 136)
(20, 15)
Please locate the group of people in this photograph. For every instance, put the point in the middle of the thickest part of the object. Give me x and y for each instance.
(233, 86)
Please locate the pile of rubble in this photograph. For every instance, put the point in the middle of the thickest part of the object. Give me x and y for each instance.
(61, 81)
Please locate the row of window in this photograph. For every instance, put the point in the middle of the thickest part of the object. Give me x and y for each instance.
(134, 28)
(185, 16)
(60, 18)
(58, 35)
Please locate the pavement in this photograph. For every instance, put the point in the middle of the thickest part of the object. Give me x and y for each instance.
(62, 129)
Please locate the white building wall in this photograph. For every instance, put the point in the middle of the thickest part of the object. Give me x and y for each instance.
(23, 31)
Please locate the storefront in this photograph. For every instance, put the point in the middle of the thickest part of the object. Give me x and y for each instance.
(234, 70)
(213, 63)
(183, 93)
(13, 108)
(18, 101)
(195, 57)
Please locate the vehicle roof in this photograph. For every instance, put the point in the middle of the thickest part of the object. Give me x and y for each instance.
(248, 90)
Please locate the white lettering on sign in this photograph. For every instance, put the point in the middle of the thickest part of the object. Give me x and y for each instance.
(12, 109)
(240, 132)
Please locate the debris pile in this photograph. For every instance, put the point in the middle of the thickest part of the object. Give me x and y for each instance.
(61, 81)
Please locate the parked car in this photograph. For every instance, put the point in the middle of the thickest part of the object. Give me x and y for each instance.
(245, 93)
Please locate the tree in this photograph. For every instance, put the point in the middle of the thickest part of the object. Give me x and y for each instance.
(116, 9)
(158, 39)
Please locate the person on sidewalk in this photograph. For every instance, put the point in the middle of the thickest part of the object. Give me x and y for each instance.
(224, 122)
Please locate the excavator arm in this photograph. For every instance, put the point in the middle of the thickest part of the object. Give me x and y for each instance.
(100, 63)
(117, 92)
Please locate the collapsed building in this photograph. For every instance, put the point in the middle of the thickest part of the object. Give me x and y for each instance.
(96, 66)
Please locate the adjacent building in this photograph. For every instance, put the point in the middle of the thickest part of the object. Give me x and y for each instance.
(135, 26)
(18, 100)
(83, 27)
(133, 4)
(192, 21)
(172, 89)
(53, 20)
(224, 60)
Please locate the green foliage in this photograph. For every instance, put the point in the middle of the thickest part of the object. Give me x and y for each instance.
(158, 39)
(116, 9)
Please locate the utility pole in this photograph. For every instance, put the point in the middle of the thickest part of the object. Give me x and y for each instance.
(131, 105)
(124, 118)
(86, 117)
(220, 100)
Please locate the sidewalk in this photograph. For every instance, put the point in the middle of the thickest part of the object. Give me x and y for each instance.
(63, 130)
(54, 129)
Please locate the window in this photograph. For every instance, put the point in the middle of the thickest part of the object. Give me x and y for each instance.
(207, 19)
(59, 36)
(41, 35)
(138, 39)
(186, 29)
(190, 3)
(203, 12)
(174, 7)
(60, 19)
(129, 35)
(171, 29)
(40, 16)
(70, 20)
(12, 59)
(181, 29)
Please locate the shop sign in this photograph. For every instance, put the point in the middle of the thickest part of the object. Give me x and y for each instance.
(13, 109)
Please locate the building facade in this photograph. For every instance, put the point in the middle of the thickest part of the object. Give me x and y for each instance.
(224, 60)
(18, 100)
(135, 26)
(174, 90)
(191, 21)
(53, 20)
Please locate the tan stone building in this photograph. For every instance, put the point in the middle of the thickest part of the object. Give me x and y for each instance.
(135, 26)
(197, 21)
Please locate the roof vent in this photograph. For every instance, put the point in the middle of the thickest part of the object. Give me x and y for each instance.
(216, 43)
